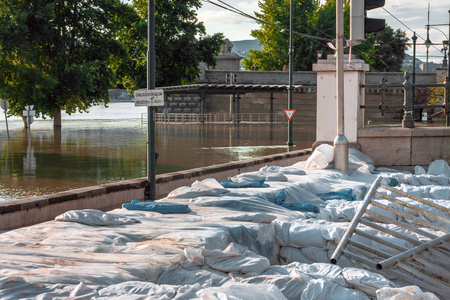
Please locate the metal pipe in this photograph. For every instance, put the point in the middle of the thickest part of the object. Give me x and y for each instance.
(443, 290)
(391, 232)
(379, 240)
(368, 249)
(394, 259)
(408, 216)
(354, 223)
(400, 224)
(437, 206)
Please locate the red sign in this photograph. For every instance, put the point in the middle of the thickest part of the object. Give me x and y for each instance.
(289, 113)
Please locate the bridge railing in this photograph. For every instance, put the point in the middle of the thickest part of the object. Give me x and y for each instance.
(215, 118)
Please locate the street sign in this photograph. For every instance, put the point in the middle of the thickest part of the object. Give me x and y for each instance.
(4, 104)
(29, 113)
(149, 97)
(289, 113)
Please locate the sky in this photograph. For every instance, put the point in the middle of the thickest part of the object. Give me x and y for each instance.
(412, 13)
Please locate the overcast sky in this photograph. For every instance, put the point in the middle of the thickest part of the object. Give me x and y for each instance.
(412, 13)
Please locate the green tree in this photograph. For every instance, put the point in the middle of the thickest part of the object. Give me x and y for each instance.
(181, 44)
(275, 42)
(56, 54)
(384, 51)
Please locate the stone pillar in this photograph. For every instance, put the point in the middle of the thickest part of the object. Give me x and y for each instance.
(354, 77)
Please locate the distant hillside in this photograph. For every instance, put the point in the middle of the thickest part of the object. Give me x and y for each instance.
(242, 47)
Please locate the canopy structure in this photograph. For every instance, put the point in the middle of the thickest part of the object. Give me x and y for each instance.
(227, 88)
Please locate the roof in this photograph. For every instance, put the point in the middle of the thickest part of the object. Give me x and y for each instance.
(226, 88)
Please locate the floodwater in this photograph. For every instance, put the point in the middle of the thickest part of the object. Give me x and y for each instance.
(108, 144)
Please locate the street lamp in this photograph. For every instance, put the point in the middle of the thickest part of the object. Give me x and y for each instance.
(427, 44)
(444, 49)
(319, 54)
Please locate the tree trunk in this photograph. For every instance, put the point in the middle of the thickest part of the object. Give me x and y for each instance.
(25, 123)
(57, 119)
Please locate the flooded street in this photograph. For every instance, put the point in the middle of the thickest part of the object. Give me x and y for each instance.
(109, 145)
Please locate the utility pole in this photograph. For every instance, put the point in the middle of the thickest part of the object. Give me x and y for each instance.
(340, 142)
(150, 191)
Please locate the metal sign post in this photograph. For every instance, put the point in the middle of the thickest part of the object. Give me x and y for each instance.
(5, 106)
(150, 191)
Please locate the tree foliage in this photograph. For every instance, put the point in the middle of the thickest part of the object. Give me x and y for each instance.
(56, 54)
(181, 44)
(383, 51)
(275, 42)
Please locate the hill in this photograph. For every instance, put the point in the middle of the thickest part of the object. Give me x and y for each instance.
(242, 47)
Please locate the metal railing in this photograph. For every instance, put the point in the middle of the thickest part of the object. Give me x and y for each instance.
(426, 264)
(408, 105)
(215, 118)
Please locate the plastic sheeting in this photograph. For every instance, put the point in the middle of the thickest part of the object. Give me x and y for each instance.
(273, 252)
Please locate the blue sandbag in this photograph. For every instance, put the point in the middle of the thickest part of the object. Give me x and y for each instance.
(244, 184)
(346, 194)
(280, 198)
(160, 207)
(304, 207)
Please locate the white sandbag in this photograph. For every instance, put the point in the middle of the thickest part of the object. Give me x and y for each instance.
(94, 217)
(320, 289)
(241, 291)
(439, 167)
(321, 157)
(366, 281)
(326, 271)
(234, 259)
(357, 157)
(404, 293)
(189, 192)
(339, 210)
(256, 217)
(188, 292)
(153, 290)
(283, 170)
(186, 273)
(308, 255)
(309, 233)
(258, 175)
(210, 184)
(291, 287)
(418, 170)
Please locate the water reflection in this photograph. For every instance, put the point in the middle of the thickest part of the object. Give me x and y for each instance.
(48, 161)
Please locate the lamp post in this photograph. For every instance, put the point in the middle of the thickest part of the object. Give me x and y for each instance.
(428, 44)
(444, 49)
(291, 71)
(340, 142)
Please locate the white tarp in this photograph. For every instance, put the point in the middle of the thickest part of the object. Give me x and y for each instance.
(273, 252)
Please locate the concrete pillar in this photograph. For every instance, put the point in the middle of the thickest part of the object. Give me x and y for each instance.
(354, 77)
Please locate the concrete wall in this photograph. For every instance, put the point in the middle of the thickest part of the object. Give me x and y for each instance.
(25, 212)
(405, 146)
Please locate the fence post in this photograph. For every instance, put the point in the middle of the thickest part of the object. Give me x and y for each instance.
(447, 98)
(408, 121)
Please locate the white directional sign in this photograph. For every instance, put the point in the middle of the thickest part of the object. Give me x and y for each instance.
(149, 97)
(29, 113)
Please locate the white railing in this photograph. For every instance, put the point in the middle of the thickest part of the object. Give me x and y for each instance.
(215, 118)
